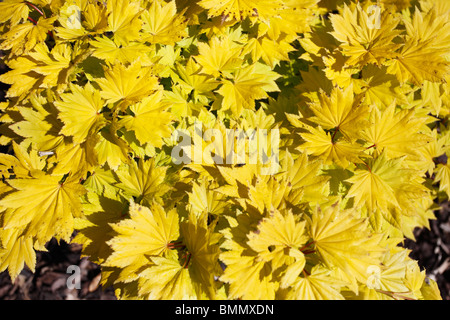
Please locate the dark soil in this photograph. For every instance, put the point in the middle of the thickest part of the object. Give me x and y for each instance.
(49, 281)
(432, 249)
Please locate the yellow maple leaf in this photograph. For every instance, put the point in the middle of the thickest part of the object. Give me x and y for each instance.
(80, 111)
(221, 55)
(361, 41)
(111, 148)
(22, 163)
(341, 244)
(162, 24)
(247, 85)
(276, 235)
(191, 79)
(380, 88)
(22, 38)
(248, 279)
(443, 178)
(127, 84)
(17, 250)
(417, 62)
(79, 19)
(203, 198)
(166, 279)
(385, 186)
(303, 174)
(68, 152)
(123, 20)
(324, 146)
(143, 180)
(269, 50)
(13, 10)
(398, 133)
(108, 50)
(423, 54)
(319, 285)
(147, 232)
(40, 125)
(150, 120)
(241, 9)
(50, 207)
(340, 111)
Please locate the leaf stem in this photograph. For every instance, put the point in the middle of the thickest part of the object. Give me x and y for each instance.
(187, 260)
(35, 8)
(309, 243)
(32, 20)
(367, 166)
(308, 252)
(334, 134)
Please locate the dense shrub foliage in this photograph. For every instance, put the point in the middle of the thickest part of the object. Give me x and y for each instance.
(121, 117)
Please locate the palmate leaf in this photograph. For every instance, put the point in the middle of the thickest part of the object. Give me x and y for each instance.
(380, 88)
(203, 198)
(23, 37)
(21, 164)
(423, 56)
(340, 110)
(321, 145)
(13, 11)
(143, 180)
(219, 56)
(149, 120)
(123, 20)
(16, 251)
(162, 24)
(39, 125)
(147, 233)
(397, 133)
(109, 51)
(92, 20)
(411, 65)
(241, 9)
(202, 257)
(100, 212)
(275, 235)
(361, 42)
(166, 279)
(317, 286)
(269, 50)
(68, 153)
(341, 244)
(443, 177)
(385, 187)
(44, 206)
(247, 85)
(127, 84)
(304, 174)
(191, 78)
(111, 149)
(80, 111)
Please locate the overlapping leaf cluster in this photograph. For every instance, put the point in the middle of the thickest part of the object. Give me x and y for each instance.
(358, 91)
